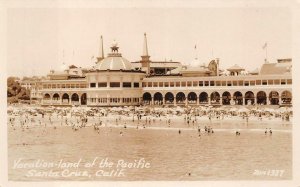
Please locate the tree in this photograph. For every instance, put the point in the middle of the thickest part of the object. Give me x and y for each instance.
(15, 91)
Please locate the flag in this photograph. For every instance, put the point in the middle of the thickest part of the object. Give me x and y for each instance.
(265, 45)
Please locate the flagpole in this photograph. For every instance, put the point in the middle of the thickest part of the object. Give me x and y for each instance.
(265, 47)
(63, 56)
(267, 53)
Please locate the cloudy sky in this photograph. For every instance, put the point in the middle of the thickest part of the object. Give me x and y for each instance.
(37, 37)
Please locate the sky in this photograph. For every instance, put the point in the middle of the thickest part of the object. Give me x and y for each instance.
(40, 39)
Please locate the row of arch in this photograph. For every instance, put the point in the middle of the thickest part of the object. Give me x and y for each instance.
(66, 98)
(225, 99)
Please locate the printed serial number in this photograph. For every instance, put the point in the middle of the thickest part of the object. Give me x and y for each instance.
(269, 172)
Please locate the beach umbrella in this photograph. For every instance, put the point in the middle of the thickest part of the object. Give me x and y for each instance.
(282, 109)
(241, 110)
(233, 110)
(269, 110)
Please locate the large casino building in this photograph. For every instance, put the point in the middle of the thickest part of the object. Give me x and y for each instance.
(115, 81)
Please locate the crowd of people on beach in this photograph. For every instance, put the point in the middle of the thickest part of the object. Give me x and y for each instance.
(139, 118)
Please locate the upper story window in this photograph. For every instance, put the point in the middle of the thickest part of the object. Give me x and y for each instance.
(270, 82)
(136, 84)
(264, 82)
(92, 85)
(127, 84)
(114, 84)
(102, 84)
(195, 83)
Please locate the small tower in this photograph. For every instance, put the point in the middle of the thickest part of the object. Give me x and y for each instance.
(195, 62)
(145, 57)
(235, 70)
(101, 51)
(218, 65)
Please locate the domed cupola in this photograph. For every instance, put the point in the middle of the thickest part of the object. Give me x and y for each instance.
(114, 60)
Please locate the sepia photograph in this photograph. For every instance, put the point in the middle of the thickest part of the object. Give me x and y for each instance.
(156, 93)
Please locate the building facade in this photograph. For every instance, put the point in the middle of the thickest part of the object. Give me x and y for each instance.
(114, 81)
(35, 86)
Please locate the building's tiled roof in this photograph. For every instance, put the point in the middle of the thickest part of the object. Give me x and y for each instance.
(114, 62)
(235, 67)
(165, 62)
(275, 69)
(195, 69)
(158, 65)
(256, 71)
(175, 71)
(163, 65)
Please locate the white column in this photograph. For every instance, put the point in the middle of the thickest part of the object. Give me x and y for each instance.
(280, 100)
